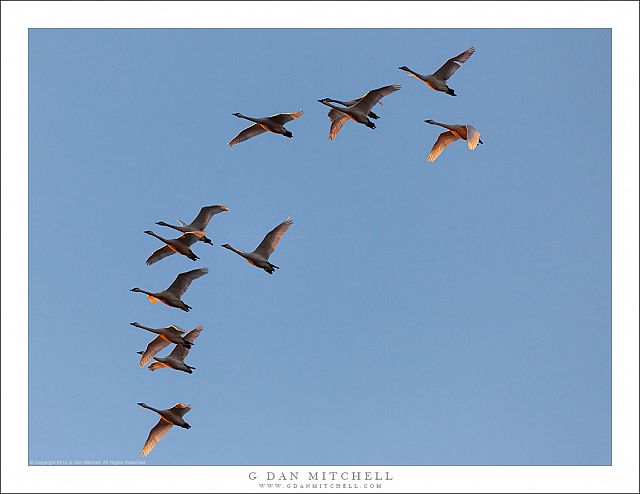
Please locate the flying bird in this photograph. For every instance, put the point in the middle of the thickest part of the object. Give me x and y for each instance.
(168, 418)
(359, 112)
(175, 360)
(166, 336)
(200, 222)
(171, 296)
(274, 123)
(455, 132)
(260, 256)
(180, 245)
(351, 103)
(438, 80)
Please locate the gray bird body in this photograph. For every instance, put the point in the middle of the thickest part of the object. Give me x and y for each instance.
(359, 112)
(171, 296)
(168, 418)
(175, 360)
(274, 123)
(438, 80)
(260, 256)
(199, 223)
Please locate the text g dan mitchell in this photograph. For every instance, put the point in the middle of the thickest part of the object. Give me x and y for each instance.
(353, 475)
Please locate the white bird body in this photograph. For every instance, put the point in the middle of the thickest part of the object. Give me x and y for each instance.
(455, 132)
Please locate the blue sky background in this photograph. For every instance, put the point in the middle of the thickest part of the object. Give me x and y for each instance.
(456, 313)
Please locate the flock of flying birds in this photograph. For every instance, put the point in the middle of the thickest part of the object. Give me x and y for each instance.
(191, 233)
(358, 110)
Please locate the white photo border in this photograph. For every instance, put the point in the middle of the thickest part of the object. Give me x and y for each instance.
(621, 17)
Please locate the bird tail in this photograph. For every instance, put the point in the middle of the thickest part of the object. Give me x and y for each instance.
(451, 92)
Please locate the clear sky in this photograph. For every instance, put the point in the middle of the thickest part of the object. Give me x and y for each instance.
(456, 313)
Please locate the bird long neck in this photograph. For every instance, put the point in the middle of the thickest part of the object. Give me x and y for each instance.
(234, 250)
(175, 227)
(256, 120)
(326, 103)
(407, 69)
(153, 330)
(446, 126)
(143, 405)
(157, 236)
(337, 101)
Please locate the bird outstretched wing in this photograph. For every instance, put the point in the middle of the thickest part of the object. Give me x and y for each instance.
(159, 254)
(181, 351)
(155, 346)
(248, 133)
(204, 216)
(336, 125)
(441, 143)
(453, 64)
(283, 118)
(183, 280)
(155, 434)
(370, 99)
(271, 239)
